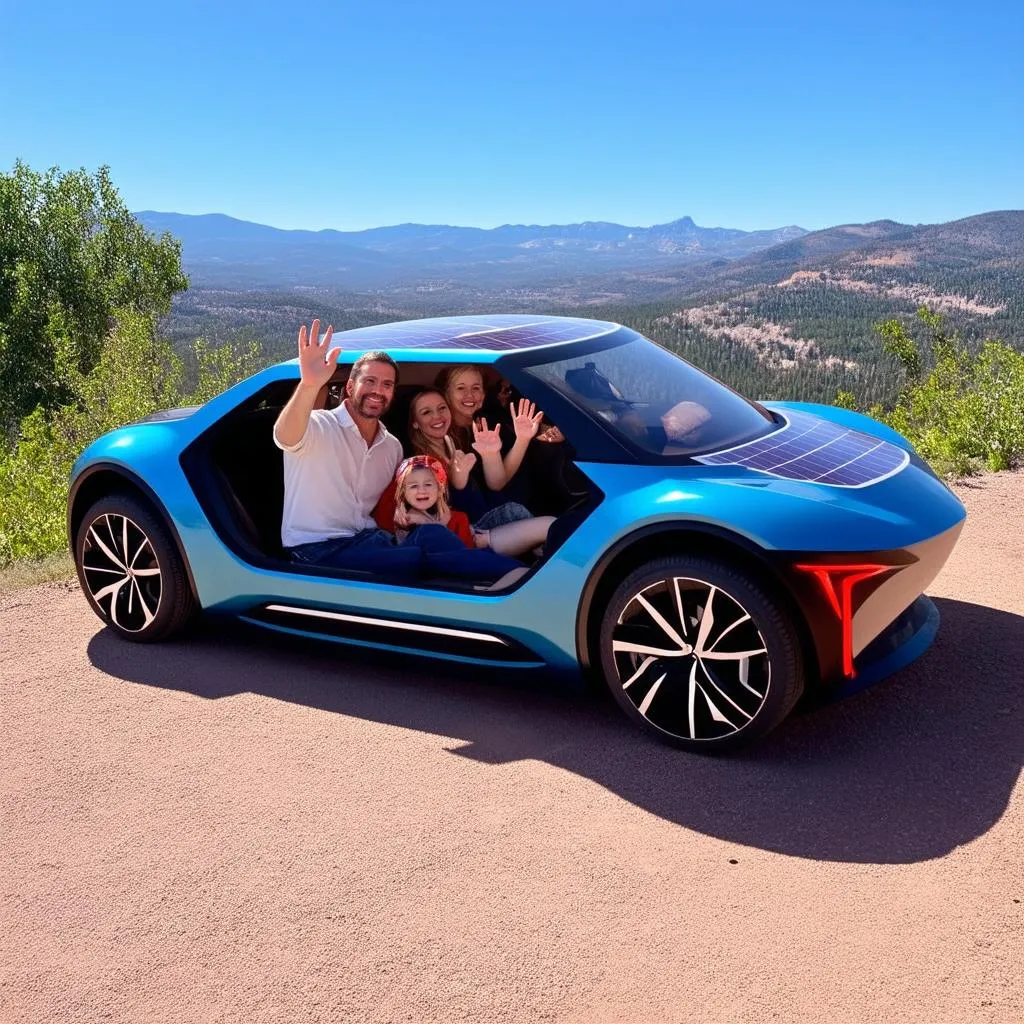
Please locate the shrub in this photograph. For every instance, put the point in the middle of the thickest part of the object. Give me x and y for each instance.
(137, 373)
(963, 411)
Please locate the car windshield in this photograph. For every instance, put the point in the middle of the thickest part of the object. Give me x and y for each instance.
(654, 399)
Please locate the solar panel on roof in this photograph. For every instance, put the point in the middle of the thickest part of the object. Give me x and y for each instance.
(488, 333)
(814, 450)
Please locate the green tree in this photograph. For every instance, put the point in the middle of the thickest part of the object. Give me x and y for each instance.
(73, 260)
(897, 342)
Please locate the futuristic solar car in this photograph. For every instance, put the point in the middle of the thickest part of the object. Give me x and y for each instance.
(710, 577)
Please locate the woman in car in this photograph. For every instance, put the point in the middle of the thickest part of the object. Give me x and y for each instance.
(463, 388)
(506, 527)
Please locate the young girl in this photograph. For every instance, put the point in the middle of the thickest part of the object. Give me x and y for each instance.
(442, 533)
(421, 498)
(503, 526)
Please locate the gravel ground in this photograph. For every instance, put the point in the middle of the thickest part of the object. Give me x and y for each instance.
(236, 829)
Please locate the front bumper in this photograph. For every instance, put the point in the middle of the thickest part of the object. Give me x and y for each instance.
(901, 642)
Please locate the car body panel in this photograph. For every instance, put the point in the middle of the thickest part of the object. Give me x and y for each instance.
(909, 518)
(777, 514)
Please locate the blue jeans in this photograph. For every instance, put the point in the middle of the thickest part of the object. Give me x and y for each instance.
(431, 549)
(371, 550)
(501, 515)
(446, 555)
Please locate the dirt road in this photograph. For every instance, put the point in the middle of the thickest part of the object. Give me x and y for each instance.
(236, 829)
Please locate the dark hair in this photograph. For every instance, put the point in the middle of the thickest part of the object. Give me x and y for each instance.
(418, 445)
(371, 357)
(416, 397)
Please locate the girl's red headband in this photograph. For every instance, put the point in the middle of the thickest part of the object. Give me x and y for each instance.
(423, 462)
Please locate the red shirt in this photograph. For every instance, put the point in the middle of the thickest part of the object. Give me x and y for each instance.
(384, 513)
(384, 516)
(459, 525)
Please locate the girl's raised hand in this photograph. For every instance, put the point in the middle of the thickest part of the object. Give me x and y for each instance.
(415, 517)
(486, 441)
(406, 518)
(317, 359)
(526, 421)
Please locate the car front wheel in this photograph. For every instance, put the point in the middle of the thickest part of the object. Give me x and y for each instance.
(130, 570)
(695, 651)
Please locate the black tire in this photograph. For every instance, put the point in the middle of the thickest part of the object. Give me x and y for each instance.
(713, 702)
(144, 594)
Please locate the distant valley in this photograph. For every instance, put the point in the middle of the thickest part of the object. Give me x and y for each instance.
(754, 307)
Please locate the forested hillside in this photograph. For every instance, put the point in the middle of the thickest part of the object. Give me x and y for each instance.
(800, 317)
(83, 287)
(795, 319)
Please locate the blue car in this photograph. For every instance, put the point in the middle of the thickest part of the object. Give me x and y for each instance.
(713, 559)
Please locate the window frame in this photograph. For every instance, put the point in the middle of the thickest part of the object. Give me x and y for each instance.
(594, 439)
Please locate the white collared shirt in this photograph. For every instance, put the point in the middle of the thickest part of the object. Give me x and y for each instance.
(333, 479)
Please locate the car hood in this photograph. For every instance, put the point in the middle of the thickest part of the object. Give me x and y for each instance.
(900, 504)
(845, 418)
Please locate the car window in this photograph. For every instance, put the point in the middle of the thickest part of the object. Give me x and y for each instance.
(654, 399)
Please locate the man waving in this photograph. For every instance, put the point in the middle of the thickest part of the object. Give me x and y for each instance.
(337, 463)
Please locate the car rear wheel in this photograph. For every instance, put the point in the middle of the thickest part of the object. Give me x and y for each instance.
(130, 570)
(695, 651)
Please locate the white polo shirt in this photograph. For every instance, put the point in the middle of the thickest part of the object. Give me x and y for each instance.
(332, 479)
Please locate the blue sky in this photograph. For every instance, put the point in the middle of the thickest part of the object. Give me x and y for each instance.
(351, 115)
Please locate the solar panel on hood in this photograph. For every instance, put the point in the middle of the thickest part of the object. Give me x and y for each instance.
(815, 450)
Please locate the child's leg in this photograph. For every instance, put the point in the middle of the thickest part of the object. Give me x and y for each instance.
(446, 555)
(518, 538)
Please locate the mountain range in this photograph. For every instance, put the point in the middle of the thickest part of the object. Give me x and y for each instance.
(221, 251)
(755, 307)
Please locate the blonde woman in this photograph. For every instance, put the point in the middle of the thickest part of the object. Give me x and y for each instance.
(465, 394)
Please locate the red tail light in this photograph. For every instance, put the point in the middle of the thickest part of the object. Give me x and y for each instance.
(838, 582)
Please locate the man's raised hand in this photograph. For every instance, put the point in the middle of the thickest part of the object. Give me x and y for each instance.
(317, 359)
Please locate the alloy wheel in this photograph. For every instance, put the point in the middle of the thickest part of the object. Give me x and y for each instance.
(122, 572)
(690, 659)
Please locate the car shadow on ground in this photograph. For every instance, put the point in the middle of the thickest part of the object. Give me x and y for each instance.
(904, 771)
